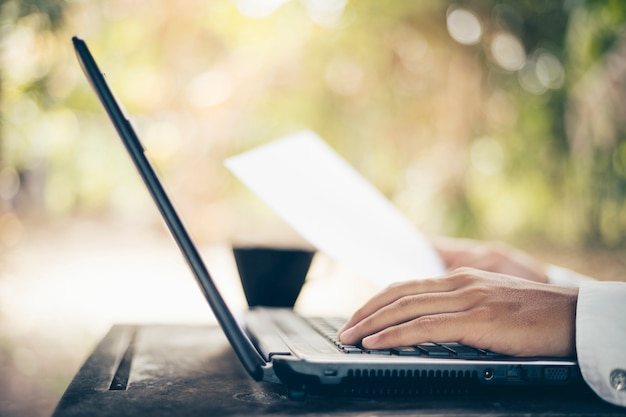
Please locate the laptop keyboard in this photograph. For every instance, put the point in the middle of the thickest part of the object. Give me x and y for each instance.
(328, 328)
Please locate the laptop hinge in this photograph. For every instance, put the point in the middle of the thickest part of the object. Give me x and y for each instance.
(269, 375)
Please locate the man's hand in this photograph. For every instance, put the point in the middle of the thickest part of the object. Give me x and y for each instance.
(489, 256)
(486, 310)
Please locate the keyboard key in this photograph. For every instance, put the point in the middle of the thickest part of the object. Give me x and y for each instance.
(432, 349)
(490, 354)
(462, 351)
(351, 349)
(377, 351)
(407, 351)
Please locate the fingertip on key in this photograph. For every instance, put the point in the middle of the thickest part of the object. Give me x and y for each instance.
(346, 336)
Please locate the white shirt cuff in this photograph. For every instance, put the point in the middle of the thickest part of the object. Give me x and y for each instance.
(601, 338)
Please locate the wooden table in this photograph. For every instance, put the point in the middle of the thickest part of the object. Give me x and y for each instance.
(174, 370)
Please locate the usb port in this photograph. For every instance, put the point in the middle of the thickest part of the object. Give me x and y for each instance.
(514, 373)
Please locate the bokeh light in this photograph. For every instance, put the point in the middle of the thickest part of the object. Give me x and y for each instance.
(507, 51)
(464, 26)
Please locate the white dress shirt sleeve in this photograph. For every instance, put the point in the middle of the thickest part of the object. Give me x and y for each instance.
(600, 332)
(564, 277)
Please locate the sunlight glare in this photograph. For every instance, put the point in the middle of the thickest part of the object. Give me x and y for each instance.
(325, 12)
(508, 51)
(258, 8)
(464, 26)
(549, 70)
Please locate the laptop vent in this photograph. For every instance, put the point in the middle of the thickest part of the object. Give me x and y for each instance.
(401, 383)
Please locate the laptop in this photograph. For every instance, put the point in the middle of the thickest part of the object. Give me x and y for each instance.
(280, 346)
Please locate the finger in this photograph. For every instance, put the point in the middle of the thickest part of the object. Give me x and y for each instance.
(451, 249)
(446, 248)
(441, 328)
(406, 309)
(463, 259)
(477, 259)
(395, 292)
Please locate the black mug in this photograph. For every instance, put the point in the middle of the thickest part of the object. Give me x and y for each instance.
(272, 276)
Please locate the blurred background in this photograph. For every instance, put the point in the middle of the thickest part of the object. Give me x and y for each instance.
(487, 119)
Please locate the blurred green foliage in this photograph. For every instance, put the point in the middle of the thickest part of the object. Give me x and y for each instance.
(52, 9)
(494, 119)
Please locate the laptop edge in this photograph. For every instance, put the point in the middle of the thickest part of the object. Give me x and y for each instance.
(254, 364)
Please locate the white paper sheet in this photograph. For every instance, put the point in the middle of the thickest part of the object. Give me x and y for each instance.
(335, 209)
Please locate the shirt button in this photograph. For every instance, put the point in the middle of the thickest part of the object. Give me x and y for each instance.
(618, 379)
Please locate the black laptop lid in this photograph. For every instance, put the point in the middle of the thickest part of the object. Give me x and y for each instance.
(250, 358)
